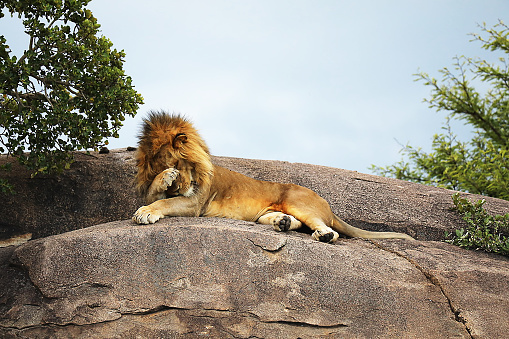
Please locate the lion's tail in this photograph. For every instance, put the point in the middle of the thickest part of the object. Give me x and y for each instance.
(351, 231)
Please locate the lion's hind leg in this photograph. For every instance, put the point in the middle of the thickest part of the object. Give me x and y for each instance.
(321, 231)
(280, 221)
(311, 210)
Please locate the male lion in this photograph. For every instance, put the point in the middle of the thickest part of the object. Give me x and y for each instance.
(177, 178)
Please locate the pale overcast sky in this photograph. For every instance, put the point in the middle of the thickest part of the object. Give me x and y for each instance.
(313, 81)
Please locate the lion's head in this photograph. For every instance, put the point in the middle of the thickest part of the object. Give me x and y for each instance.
(170, 140)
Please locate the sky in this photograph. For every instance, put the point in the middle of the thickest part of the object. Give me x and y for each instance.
(326, 82)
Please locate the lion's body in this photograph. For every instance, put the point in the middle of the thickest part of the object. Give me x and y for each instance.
(237, 196)
(177, 179)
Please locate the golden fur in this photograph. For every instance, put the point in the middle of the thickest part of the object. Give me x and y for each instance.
(177, 178)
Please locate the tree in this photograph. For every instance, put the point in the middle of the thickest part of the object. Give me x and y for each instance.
(68, 90)
(480, 165)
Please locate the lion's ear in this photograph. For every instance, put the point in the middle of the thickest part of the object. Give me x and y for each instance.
(179, 141)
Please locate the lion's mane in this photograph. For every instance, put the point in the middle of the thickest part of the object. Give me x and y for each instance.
(166, 141)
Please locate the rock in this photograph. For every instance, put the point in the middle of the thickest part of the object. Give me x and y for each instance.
(195, 277)
(16, 240)
(474, 283)
(104, 150)
(98, 188)
(207, 277)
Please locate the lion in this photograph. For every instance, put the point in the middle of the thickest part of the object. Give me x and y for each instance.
(177, 178)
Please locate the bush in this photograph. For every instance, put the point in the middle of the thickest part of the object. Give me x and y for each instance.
(483, 231)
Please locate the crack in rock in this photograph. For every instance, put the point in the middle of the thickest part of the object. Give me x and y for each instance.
(154, 310)
(86, 284)
(434, 280)
(270, 246)
(368, 180)
(216, 314)
(304, 324)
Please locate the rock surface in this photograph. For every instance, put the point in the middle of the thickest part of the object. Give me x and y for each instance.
(99, 188)
(187, 277)
(207, 277)
(195, 277)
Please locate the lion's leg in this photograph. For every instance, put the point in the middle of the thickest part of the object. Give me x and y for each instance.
(160, 184)
(312, 210)
(280, 221)
(173, 207)
(322, 232)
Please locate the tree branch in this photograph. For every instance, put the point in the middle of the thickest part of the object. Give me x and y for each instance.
(31, 47)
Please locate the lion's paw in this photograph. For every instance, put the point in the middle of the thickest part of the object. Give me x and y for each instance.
(168, 176)
(147, 215)
(282, 223)
(328, 236)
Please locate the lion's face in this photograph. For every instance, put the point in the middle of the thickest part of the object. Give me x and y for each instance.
(171, 155)
(163, 150)
(163, 159)
(170, 141)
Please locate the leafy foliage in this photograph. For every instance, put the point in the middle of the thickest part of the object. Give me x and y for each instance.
(5, 187)
(481, 165)
(486, 232)
(68, 90)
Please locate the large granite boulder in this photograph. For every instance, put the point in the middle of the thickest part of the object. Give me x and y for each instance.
(196, 277)
(207, 277)
(99, 188)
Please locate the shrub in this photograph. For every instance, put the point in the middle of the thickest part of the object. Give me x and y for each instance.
(483, 231)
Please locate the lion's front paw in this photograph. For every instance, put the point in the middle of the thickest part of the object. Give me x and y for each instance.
(329, 236)
(147, 215)
(168, 176)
